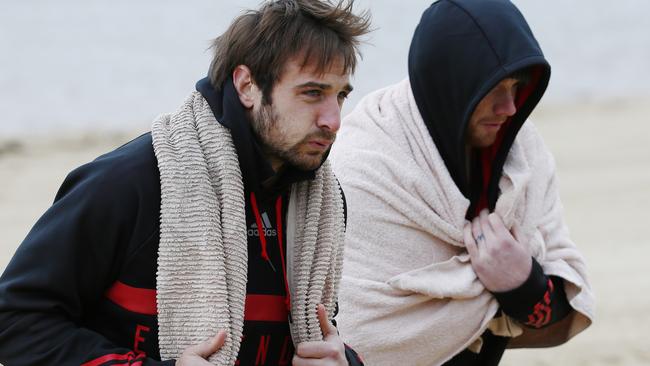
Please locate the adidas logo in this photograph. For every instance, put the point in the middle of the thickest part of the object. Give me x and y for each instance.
(267, 227)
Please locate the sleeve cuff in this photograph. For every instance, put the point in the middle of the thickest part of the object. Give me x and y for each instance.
(518, 303)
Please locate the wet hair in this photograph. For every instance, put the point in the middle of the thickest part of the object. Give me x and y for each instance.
(265, 39)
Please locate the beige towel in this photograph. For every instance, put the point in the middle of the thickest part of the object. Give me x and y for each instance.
(409, 295)
(202, 257)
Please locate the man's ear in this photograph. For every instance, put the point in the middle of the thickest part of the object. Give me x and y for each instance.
(247, 91)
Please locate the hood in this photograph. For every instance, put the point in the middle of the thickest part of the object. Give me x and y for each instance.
(462, 49)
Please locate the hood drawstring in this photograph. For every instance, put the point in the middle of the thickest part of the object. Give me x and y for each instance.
(264, 252)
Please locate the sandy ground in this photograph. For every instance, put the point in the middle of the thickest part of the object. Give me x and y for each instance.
(603, 156)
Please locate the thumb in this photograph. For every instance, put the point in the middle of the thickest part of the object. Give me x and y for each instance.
(210, 346)
(325, 326)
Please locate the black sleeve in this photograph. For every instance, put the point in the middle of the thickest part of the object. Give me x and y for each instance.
(62, 268)
(352, 357)
(539, 302)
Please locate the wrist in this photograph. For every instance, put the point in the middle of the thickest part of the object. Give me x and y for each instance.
(518, 302)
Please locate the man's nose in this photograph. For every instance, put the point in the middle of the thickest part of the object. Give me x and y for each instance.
(505, 104)
(330, 115)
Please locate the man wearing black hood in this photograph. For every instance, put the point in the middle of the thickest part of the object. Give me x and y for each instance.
(216, 238)
(457, 247)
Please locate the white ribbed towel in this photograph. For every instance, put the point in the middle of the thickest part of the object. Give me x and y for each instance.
(202, 257)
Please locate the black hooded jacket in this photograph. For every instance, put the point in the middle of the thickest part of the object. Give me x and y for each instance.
(81, 287)
(460, 51)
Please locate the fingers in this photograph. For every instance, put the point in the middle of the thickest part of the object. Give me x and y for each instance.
(497, 225)
(316, 349)
(477, 232)
(483, 230)
(470, 243)
(210, 346)
(486, 227)
(329, 351)
(299, 361)
(325, 326)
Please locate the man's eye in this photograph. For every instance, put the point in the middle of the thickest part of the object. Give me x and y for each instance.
(516, 88)
(313, 93)
(343, 95)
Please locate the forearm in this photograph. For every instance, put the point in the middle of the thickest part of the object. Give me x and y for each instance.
(51, 289)
(47, 338)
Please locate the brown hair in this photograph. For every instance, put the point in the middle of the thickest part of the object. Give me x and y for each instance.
(265, 39)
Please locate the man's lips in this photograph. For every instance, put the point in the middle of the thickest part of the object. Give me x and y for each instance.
(493, 124)
(320, 143)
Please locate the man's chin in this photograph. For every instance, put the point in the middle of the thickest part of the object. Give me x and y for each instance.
(483, 142)
(308, 162)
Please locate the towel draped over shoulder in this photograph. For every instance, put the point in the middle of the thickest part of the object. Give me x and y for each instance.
(409, 294)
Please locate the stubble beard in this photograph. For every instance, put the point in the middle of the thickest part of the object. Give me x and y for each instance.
(265, 123)
(479, 139)
(482, 141)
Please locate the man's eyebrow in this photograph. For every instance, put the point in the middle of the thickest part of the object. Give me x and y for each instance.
(312, 84)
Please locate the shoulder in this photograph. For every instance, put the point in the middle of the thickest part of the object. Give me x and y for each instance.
(119, 188)
(129, 169)
(530, 136)
(532, 142)
(529, 146)
(134, 162)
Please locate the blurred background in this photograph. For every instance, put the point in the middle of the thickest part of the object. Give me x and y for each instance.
(79, 78)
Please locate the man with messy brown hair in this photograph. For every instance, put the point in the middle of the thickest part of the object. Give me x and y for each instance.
(217, 237)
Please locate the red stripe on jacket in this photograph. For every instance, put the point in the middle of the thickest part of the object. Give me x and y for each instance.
(270, 308)
(265, 308)
(137, 300)
(131, 356)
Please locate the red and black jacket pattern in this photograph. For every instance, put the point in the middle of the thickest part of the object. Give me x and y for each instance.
(80, 289)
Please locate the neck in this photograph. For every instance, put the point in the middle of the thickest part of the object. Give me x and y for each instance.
(276, 164)
(273, 159)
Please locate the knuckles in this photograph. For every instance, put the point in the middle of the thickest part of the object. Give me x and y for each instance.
(330, 350)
